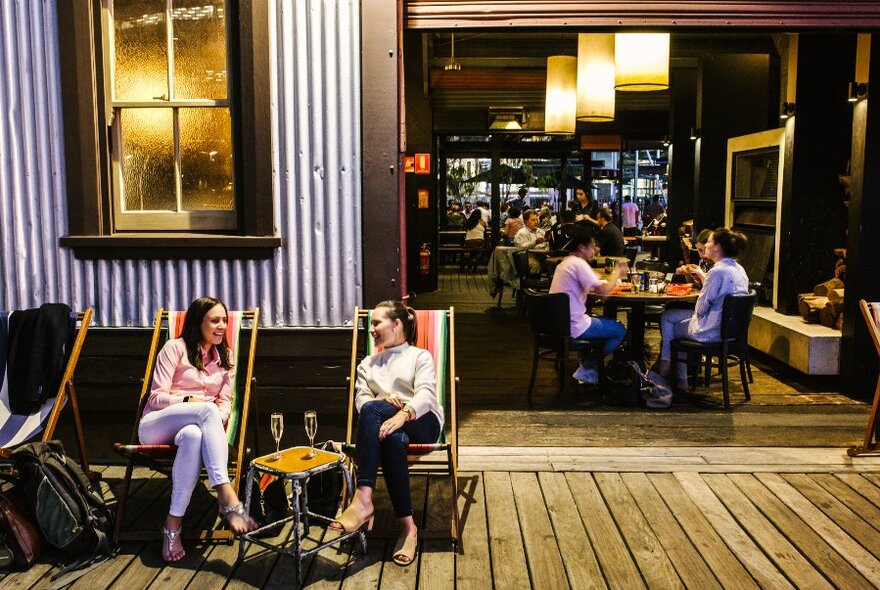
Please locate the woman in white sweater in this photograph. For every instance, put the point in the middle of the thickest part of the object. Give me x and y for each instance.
(396, 400)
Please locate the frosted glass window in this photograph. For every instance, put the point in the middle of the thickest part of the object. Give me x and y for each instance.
(199, 49)
(140, 35)
(148, 161)
(206, 159)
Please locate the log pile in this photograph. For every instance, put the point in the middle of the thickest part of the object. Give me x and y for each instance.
(824, 305)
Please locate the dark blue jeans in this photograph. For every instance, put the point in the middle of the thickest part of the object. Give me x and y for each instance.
(391, 451)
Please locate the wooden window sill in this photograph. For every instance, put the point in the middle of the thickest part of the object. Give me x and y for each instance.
(171, 246)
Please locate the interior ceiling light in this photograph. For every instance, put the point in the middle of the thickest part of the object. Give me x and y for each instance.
(507, 118)
(641, 61)
(560, 105)
(595, 77)
(453, 64)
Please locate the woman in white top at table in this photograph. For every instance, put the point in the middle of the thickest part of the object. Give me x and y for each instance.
(703, 323)
(475, 230)
(396, 400)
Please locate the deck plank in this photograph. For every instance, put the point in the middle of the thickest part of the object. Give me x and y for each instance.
(438, 560)
(542, 552)
(740, 543)
(365, 571)
(649, 554)
(817, 550)
(789, 494)
(472, 566)
(837, 511)
(773, 543)
(393, 575)
(721, 561)
(505, 538)
(693, 571)
(864, 508)
(617, 564)
(862, 485)
(577, 553)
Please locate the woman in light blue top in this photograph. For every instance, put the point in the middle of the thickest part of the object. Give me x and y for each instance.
(726, 277)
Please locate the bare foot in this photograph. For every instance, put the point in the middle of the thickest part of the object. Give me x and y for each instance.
(172, 547)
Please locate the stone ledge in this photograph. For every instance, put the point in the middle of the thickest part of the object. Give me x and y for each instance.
(810, 348)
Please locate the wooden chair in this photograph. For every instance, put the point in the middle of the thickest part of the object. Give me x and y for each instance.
(436, 334)
(871, 313)
(736, 315)
(161, 457)
(16, 429)
(549, 319)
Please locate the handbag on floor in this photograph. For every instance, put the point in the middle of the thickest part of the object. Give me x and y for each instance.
(20, 542)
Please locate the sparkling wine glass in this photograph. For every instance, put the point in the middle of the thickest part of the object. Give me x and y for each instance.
(311, 422)
(277, 426)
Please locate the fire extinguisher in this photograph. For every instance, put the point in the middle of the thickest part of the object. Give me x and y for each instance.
(424, 260)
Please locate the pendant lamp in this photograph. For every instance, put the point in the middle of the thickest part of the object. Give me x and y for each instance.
(595, 77)
(641, 61)
(560, 107)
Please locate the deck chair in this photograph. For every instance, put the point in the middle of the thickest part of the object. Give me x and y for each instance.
(160, 458)
(436, 334)
(16, 429)
(871, 312)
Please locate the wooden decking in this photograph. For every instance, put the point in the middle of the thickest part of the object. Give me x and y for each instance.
(664, 517)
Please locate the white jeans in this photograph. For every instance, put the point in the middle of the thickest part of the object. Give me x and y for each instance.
(674, 324)
(196, 429)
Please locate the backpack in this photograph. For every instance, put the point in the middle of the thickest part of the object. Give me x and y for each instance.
(622, 384)
(325, 489)
(69, 512)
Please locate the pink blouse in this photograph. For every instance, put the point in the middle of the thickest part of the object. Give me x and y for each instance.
(175, 378)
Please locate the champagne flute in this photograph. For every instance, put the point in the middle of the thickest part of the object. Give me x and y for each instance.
(311, 421)
(277, 426)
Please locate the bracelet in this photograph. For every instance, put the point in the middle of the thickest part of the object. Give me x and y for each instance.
(410, 412)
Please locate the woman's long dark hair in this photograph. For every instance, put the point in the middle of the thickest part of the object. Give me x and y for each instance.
(474, 219)
(396, 310)
(192, 332)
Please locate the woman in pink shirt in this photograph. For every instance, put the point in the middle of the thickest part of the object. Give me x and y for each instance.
(189, 406)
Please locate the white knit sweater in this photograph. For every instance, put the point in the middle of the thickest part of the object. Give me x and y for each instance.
(404, 370)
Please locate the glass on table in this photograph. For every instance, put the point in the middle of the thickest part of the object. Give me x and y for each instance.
(276, 426)
(310, 418)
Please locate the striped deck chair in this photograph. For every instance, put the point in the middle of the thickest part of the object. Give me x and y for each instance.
(436, 333)
(160, 458)
(16, 429)
(871, 312)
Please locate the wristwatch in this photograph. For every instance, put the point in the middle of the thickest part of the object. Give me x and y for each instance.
(411, 412)
(186, 398)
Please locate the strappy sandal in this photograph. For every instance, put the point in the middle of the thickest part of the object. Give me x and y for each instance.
(350, 521)
(405, 550)
(169, 536)
(227, 513)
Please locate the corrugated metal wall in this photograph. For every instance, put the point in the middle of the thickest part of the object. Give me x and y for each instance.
(315, 279)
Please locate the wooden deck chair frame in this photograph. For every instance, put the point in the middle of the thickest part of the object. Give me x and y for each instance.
(66, 391)
(420, 463)
(870, 443)
(164, 465)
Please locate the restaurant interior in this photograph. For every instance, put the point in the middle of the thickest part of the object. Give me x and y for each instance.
(751, 130)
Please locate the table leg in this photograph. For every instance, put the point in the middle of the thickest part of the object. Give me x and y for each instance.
(305, 507)
(637, 332)
(349, 485)
(297, 542)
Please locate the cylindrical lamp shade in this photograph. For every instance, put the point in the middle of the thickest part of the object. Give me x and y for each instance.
(641, 61)
(595, 77)
(560, 106)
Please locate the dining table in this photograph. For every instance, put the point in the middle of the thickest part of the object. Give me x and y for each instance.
(637, 303)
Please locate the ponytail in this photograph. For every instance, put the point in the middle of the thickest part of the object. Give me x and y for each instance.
(407, 316)
(732, 243)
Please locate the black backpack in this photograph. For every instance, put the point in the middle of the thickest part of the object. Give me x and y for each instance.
(622, 384)
(71, 514)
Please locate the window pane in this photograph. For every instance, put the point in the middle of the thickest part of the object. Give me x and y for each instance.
(199, 48)
(141, 49)
(147, 160)
(206, 159)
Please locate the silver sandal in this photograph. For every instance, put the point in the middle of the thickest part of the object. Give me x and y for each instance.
(170, 535)
(226, 513)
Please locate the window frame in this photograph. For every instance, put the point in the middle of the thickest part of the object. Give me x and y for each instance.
(92, 233)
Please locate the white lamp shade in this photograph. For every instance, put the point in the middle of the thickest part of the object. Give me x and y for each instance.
(560, 106)
(641, 61)
(595, 77)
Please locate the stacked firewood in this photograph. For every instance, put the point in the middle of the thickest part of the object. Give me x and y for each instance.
(824, 305)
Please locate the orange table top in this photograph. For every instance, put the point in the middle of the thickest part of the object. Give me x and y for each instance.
(293, 461)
